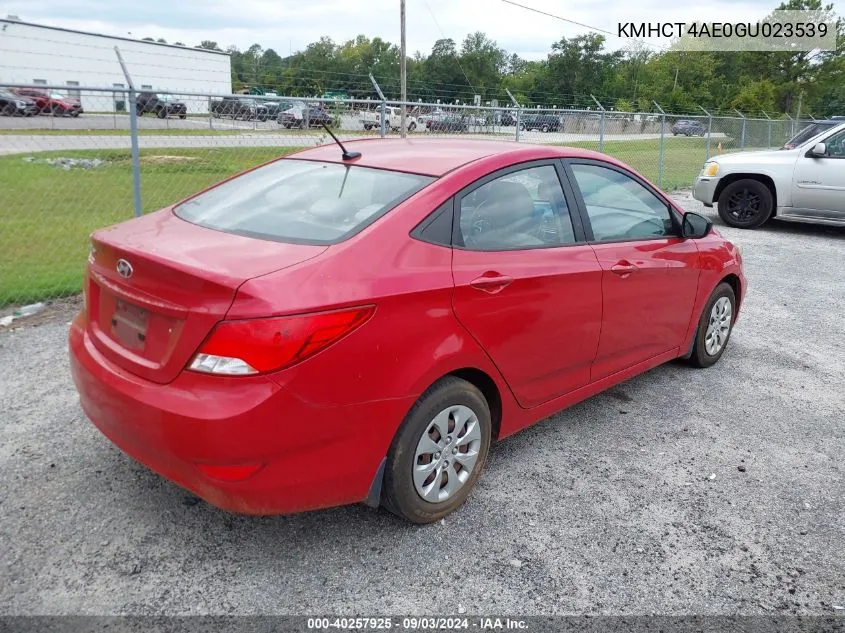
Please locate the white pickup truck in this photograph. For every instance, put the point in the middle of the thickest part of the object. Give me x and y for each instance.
(371, 119)
(804, 183)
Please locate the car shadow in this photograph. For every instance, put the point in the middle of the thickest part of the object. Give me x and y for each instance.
(782, 227)
(800, 228)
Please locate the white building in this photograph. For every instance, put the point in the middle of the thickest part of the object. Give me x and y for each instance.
(72, 60)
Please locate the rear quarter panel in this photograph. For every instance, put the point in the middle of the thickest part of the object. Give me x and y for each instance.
(411, 340)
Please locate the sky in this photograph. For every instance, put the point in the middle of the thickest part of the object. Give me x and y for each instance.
(289, 25)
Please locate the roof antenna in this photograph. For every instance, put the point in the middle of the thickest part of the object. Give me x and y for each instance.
(346, 154)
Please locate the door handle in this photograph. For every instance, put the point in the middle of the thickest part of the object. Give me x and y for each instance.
(623, 268)
(491, 282)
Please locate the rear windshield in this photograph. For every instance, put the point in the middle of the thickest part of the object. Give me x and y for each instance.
(301, 201)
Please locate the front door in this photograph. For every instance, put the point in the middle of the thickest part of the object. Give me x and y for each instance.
(649, 274)
(819, 182)
(527, 286)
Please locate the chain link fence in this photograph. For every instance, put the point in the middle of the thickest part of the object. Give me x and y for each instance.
(68, 167)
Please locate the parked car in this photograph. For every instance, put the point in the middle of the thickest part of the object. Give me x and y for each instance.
(813, 129)
(542, 122)
(449, 123)
(162, 105)
(275, 106)
(239, 108)
(431, 115)
(12, 104)
(371, 119)
(507, 118)
(51, 102)
(688, 128)
(334, 328)
(304, 118)
(805, 183)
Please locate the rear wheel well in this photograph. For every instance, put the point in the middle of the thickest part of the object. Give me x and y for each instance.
(488, 389)
(730, 178)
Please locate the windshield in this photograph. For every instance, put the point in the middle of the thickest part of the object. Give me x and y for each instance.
(301, 201)
(808, 132)
(162, 97)
(57, 95)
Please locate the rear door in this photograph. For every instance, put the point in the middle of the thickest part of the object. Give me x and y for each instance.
(527, 286)
(649, 273)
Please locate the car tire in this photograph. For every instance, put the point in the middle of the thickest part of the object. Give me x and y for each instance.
(56, 111)
(545, 128)
(161, 113)
(401, 491)
(368, 127)
(182, 116)
(745, 204)
(412, 127)
(8, 110)
(522, 127)
(714, 327)
(74, 114)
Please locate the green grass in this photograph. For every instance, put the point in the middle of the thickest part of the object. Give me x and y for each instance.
(143, 132)
(47, 213)
(682, 157)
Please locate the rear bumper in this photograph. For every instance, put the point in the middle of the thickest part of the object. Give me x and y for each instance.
(310, 457)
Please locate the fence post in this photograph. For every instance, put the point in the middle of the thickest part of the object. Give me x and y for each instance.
(210, 116)
(601, 124)
(742, 141)
(709, 129)
(382, 109)
(516, 105)
(133, 136)
(791, 125)
(662, 141)
(770, 128)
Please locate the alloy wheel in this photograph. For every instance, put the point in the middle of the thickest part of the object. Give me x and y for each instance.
(744, 205)
(719, 326)
(446, 453)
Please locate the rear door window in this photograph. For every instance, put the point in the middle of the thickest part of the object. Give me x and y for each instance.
(301, 201)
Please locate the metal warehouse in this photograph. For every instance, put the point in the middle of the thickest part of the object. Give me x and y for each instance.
(59, 57)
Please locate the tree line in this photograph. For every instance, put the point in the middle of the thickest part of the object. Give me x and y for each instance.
(576, 70)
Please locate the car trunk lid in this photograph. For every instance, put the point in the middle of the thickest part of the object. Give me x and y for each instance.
(157, 285)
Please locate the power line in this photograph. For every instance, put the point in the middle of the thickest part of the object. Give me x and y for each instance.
(463, 72)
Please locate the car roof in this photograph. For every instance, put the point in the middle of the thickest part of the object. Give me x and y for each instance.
(437, 156)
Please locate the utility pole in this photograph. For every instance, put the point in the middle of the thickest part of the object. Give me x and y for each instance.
(403, 78)
(800, 100)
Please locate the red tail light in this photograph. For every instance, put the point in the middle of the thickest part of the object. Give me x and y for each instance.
(260, 345)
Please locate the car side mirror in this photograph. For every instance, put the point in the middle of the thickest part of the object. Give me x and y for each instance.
(819, 149)
(695, 226)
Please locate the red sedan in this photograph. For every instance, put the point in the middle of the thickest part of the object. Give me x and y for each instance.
(333, 328)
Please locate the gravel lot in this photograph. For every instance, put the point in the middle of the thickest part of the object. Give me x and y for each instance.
(682, 491)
